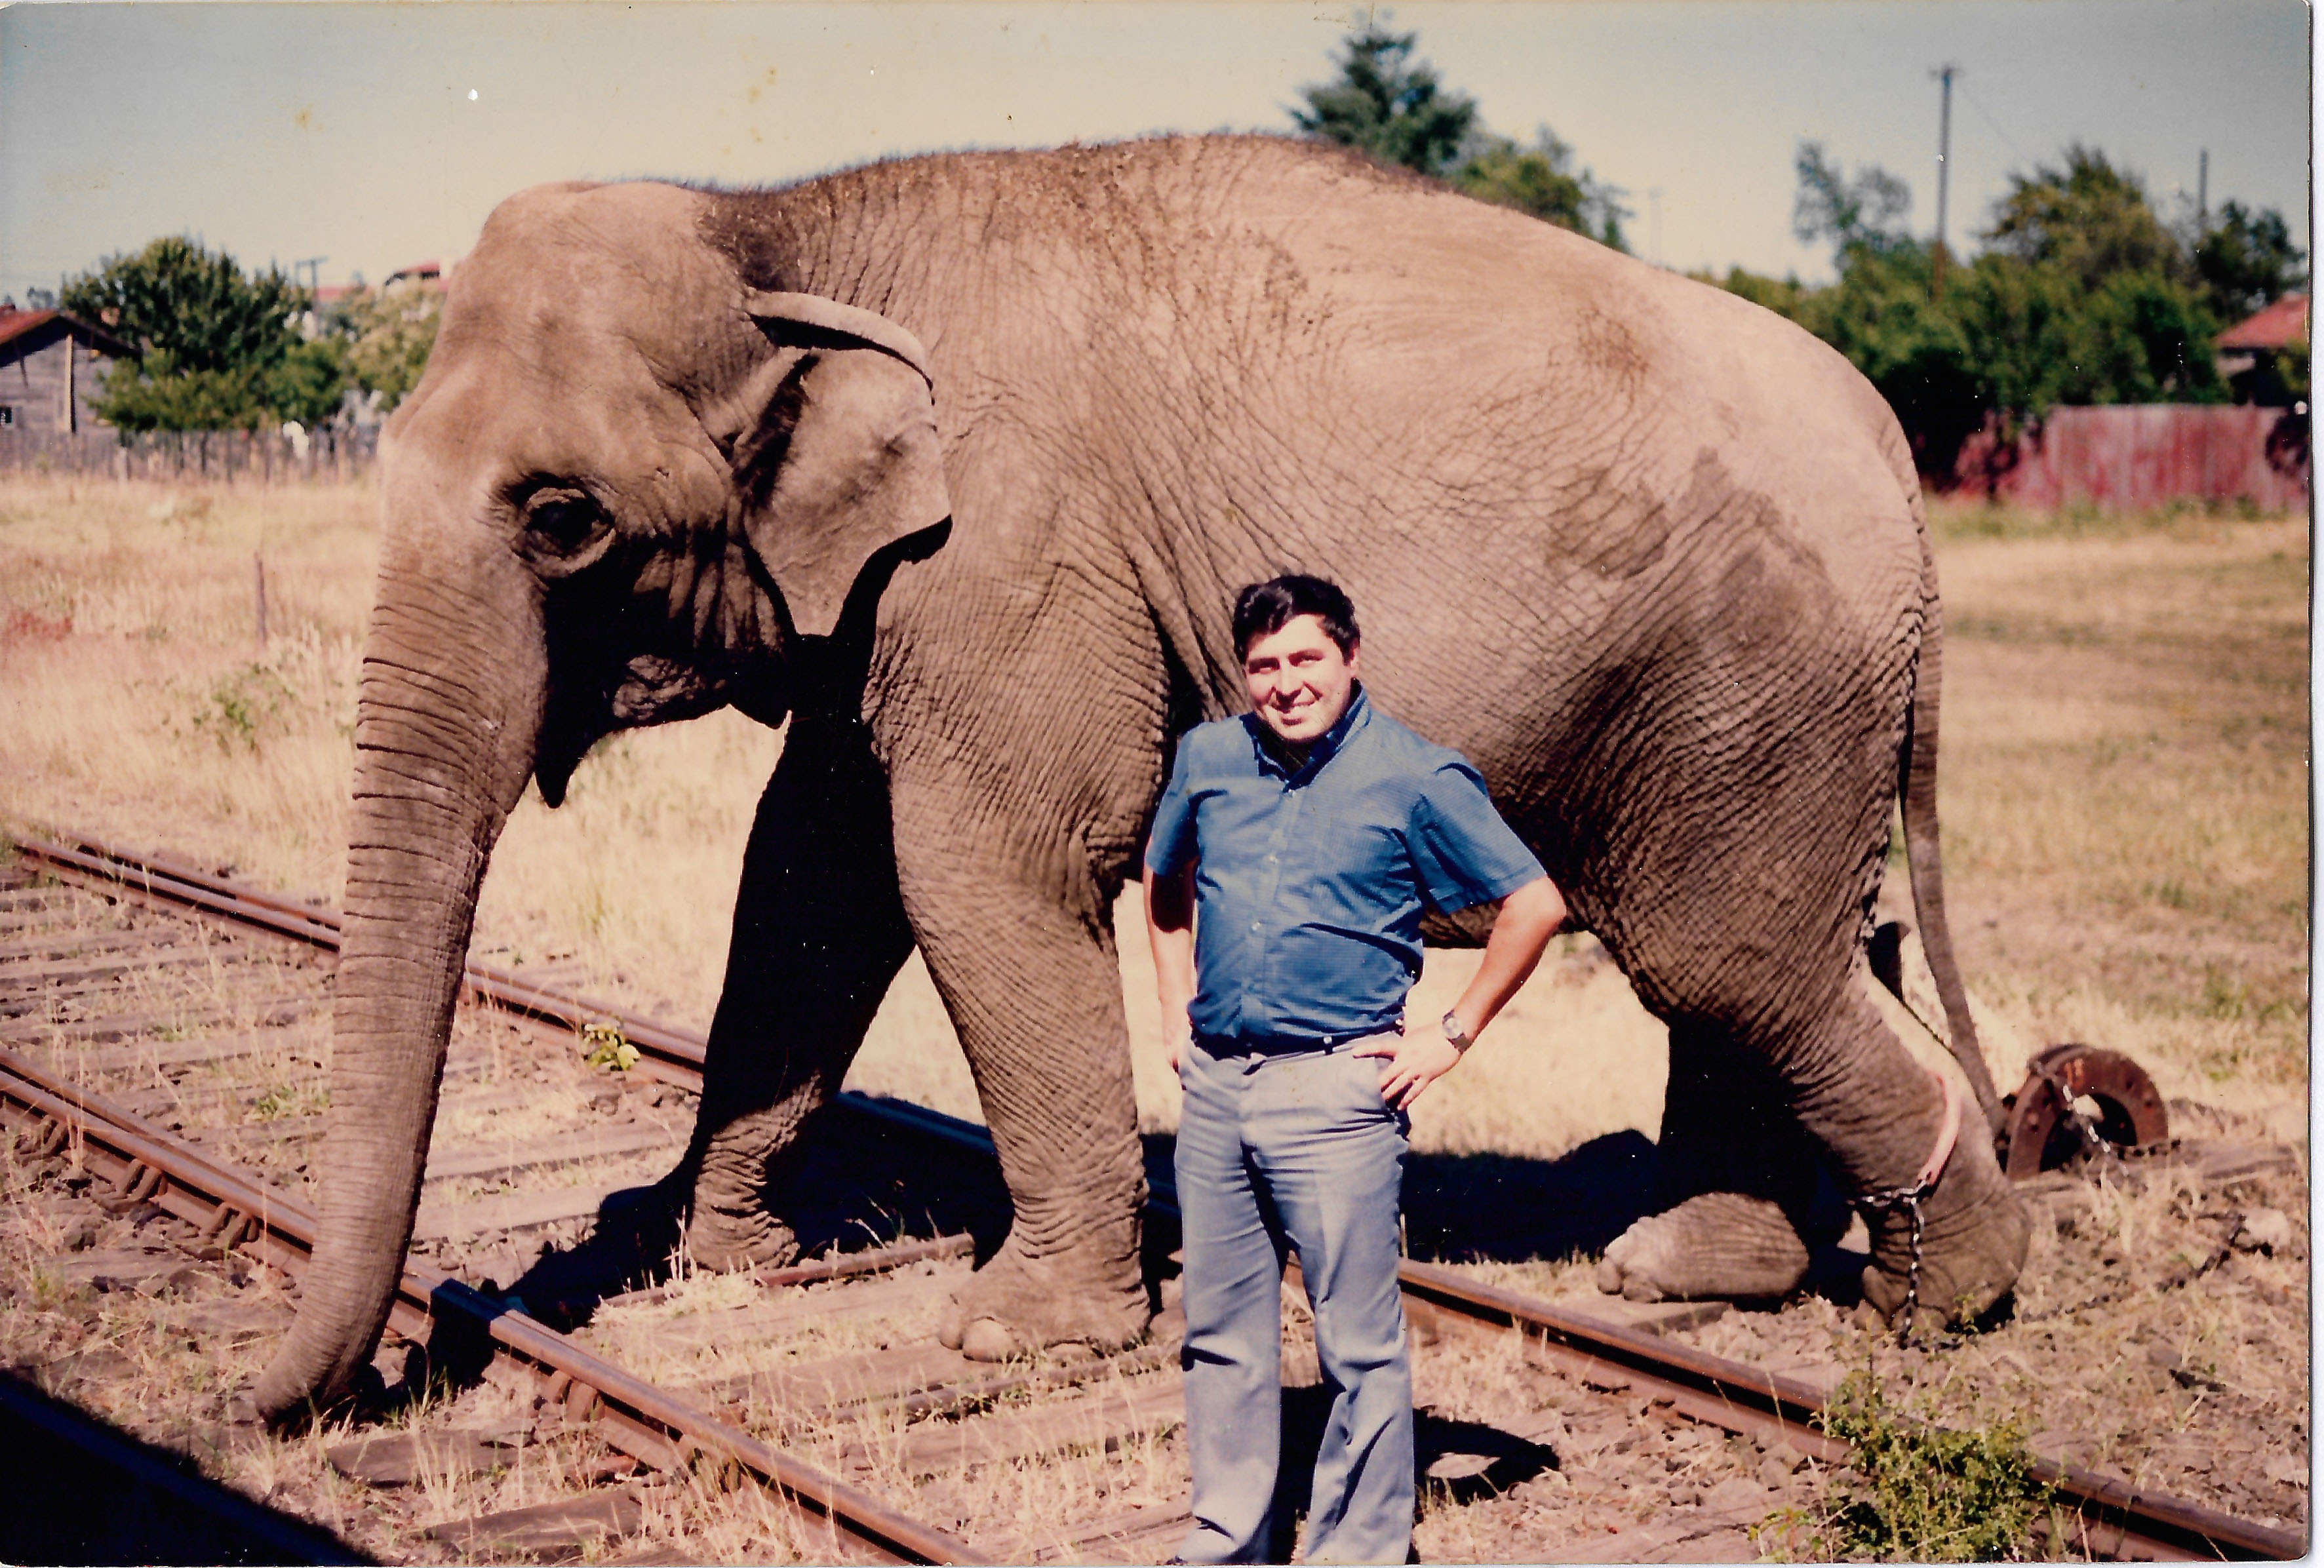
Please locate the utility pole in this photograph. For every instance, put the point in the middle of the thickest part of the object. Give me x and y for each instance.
(2202, 194)
(1943, 73)
(1655, 223)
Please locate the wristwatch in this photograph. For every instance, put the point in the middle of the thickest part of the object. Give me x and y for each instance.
(1460, 1042)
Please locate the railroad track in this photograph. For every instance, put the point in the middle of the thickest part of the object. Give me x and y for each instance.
(163, 1044)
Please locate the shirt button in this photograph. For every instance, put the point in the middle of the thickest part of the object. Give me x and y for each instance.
(1254, 925)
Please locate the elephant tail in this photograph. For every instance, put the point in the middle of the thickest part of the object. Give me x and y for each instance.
(1917, 765)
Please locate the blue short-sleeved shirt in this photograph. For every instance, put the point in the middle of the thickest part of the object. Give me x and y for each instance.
(1310, 884)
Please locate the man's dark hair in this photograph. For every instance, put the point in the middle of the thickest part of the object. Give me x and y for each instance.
(1263, 609)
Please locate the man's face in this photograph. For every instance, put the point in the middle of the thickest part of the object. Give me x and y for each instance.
(1300, 682)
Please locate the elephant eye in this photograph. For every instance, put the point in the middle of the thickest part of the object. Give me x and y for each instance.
(561, 524)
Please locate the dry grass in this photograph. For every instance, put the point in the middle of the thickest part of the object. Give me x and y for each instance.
(2126, 790)
(2124, 796)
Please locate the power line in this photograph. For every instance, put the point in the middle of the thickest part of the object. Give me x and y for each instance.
(1975, 103)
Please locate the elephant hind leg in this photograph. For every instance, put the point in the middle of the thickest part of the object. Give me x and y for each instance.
(1808, 1070)
(1974, 1234)
(1716, 1245)
(1879, 1115)
(1734, 1180)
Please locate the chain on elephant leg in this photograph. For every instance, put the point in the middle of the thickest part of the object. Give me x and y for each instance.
(1947, 1247)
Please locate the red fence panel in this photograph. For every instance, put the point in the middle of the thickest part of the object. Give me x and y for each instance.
(2144, 455)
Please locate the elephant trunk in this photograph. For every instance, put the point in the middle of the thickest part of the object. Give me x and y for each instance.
(448, 720)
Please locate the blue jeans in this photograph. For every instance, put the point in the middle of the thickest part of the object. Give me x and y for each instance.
(1295, 1152)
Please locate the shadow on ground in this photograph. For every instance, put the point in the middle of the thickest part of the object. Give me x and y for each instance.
(859, 1181)
(1468, 1208)
(82, 1490)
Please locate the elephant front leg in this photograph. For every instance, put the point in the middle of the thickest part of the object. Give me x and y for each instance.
(819, 934)
(1030, 978)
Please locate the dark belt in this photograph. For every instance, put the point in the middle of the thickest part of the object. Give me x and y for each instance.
(1289, 1044)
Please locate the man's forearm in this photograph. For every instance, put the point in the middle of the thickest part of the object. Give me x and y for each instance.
(1170, 928)
(1529, 918)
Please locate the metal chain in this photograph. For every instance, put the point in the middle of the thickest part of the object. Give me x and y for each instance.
(1909, 1200)
(2094, 1143)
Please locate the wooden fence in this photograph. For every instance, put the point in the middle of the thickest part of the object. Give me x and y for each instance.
(2145, 455)
(258, 456)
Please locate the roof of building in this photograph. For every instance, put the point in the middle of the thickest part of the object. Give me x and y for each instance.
(15, 324)
(2279, 326)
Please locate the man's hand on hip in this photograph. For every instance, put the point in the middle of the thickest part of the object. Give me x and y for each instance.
(1411, 1063)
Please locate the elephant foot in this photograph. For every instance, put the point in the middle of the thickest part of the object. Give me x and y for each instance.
(1717, 1245)
(723, 1240)
(1974, 1234)
(1015, 1306)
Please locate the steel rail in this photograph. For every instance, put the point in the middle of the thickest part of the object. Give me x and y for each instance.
(2115, 1517)
(669, 1431)
(668, 1055)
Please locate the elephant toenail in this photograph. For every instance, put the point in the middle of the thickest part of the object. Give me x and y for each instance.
(988, 1339)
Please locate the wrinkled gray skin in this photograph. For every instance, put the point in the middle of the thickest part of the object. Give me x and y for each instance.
(1649, 556)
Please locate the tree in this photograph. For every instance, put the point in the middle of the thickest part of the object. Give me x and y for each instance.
(1786, 297)
(2083, 297)
(154, 393)
(2246, 261)
(1541, 182)
(2090, 218)
(1386, 105)
(215, 349)
(1909, 345)
(309, 382)
(2146, 338)
(389, 333)
(1849, 213)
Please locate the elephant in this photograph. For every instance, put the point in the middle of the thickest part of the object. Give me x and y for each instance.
(954, 464)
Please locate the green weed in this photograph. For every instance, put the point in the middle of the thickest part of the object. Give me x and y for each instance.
(241, 703)
(1912, 1491)
(286, 1100)
(609, 1048)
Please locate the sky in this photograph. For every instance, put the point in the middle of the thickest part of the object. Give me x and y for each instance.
(373, 136)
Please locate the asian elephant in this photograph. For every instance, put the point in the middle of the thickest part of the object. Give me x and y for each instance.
(956, 463)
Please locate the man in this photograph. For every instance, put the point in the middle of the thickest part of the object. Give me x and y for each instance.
(1291, 859)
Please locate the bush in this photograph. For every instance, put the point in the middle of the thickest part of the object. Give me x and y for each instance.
(1914, 1492)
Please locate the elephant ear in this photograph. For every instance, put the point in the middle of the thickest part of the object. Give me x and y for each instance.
(845, 459)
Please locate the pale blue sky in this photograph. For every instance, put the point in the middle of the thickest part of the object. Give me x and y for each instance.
(348, 131)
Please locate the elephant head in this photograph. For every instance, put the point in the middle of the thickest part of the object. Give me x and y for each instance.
(628, 490)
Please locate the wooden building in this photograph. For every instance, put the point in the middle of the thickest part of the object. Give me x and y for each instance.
(50, 365)
(2252, 353)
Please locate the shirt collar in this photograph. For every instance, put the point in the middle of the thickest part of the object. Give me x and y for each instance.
(1321, 753)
